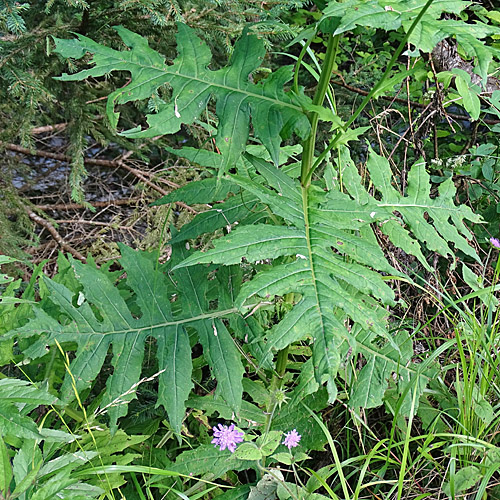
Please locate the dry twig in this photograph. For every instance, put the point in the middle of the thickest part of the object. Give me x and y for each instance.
(49, 128)
(102, 163)
(95, 204)
(52, 230)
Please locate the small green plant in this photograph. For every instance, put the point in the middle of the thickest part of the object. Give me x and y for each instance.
(36, 472)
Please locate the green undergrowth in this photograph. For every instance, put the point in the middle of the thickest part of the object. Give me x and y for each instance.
(326, 324)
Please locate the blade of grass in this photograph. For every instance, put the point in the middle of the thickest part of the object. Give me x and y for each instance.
(336, 458)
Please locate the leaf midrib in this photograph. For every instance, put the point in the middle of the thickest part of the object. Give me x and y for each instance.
(215, 314)
(415, 205)
(166, 71)
(305, 208)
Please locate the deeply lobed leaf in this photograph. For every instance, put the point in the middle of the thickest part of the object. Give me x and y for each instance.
(273, 110)
(327, 255)
(104, 320)
(394, 14)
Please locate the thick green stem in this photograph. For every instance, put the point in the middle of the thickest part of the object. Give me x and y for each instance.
(307, 160)
(281, 363)
(333, 143)
(277, 380)
(319, 97)
(276, 384)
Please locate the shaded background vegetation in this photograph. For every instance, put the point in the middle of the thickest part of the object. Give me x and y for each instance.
(69, 181)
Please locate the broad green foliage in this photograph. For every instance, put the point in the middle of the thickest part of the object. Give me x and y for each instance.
(243, 208)
(273, 110)
(328, 265)
(28, 473)
(61, 465)
(446, 219)
(36, 477)
(284, 319)
(314, 243)
(13, 422)
(102, 318)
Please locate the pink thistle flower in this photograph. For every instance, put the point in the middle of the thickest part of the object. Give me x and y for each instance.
(292, 439)
(227, 437)
(495, 242)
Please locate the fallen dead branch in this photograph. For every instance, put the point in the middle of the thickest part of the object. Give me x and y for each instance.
(53, 232)
(56, 156)
(103, 163)
(49, 128)
(95, 204)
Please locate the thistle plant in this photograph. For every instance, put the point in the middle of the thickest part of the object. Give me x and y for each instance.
(292, 237)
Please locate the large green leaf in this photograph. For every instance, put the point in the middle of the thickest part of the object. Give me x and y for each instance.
(218, 346)
(104, 319)
(383, 364)
(329, 257)
(386, 14)
(243, 207)
(433, 221)
(206, 459)
(193, 84)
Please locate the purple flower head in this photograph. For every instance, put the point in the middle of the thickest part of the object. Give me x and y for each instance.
(227, 437)
(495, 242)
(292, 439)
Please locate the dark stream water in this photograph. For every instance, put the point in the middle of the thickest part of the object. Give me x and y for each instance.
(45, 182)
